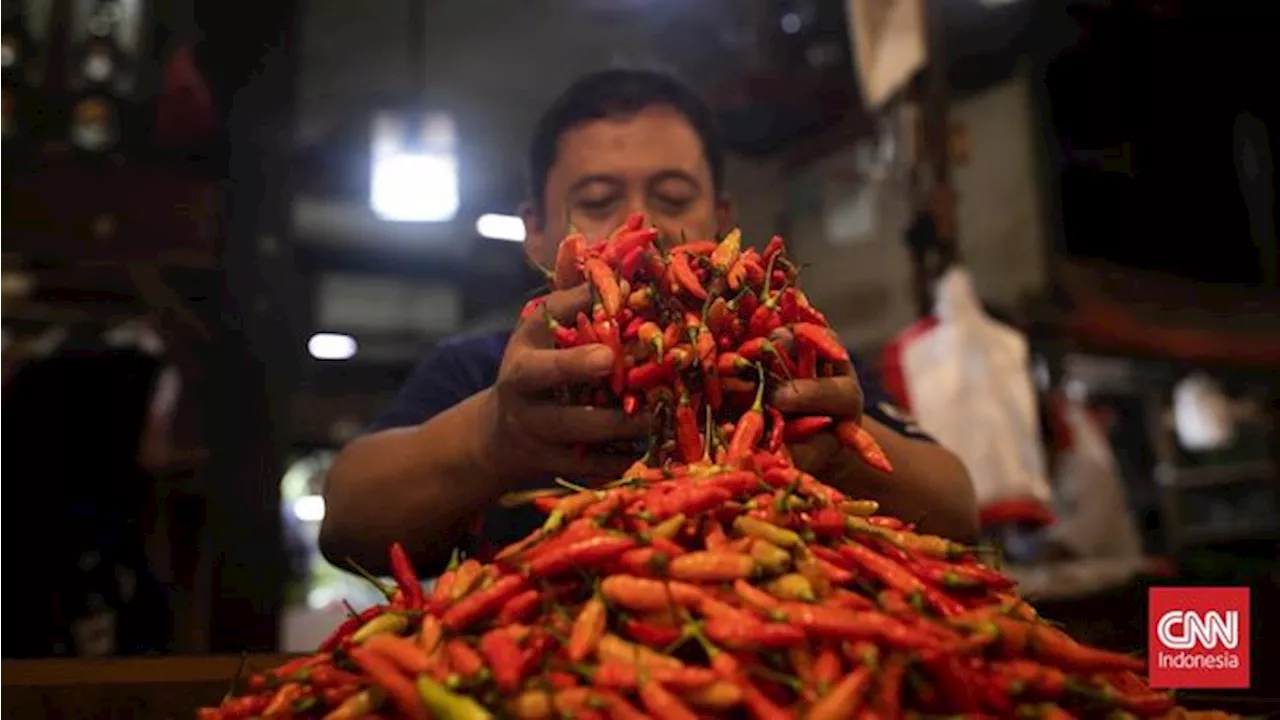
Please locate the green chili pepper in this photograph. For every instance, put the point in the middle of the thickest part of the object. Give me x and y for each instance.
(445, 705)
(386, 623)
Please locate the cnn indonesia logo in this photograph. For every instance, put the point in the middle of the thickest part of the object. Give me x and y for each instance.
(1199, 638)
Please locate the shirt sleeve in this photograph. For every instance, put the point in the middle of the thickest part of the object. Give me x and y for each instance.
(877, 404)
(442, 379)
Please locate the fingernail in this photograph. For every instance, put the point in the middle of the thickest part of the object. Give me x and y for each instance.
(784, 395)
(600, 360)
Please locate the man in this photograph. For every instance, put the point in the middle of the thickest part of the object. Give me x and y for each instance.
(474, 421)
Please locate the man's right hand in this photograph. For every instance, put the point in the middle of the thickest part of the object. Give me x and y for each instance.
(524, 432)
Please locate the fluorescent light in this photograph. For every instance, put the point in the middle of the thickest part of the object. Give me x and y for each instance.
(332, 346)
(309, 508)
(501, 227)
(415, 187)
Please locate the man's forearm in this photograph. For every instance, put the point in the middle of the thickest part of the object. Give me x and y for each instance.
(417, 485)
(929, 485)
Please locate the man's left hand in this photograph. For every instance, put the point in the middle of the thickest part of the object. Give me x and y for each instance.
(839, 397)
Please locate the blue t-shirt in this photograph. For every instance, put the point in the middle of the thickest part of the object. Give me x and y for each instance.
(461, 367)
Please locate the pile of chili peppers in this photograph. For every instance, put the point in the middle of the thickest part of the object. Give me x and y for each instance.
(715, 579)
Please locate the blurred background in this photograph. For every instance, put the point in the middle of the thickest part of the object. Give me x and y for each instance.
(225, 246)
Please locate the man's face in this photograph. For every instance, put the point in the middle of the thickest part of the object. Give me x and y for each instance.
(605, 170)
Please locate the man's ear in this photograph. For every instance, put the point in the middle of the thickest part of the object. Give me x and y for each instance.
(726, 214)
(535, 233)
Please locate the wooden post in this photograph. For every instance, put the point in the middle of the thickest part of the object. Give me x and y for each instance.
(257, 359)
(934, 195)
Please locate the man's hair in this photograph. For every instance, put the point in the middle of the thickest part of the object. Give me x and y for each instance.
(619, 93)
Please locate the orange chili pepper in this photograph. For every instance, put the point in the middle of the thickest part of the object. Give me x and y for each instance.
(860, 440)
(571, 250)
(606, 285)
(685, 277)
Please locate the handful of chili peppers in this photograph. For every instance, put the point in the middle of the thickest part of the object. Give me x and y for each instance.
(715, 579)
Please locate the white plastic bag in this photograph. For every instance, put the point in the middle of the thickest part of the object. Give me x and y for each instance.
(1093, 520)
(1202, 414)
(970, 386)
(1093, 508)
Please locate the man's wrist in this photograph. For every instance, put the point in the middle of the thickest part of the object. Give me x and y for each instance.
(472, 458)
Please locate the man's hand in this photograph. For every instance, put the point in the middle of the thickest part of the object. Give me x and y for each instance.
(523, 432)
(840, 397)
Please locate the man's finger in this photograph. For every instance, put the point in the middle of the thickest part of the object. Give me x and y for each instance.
(537, 370)
(839, 396)
(815, 454)
(562, 306)
(567, 425)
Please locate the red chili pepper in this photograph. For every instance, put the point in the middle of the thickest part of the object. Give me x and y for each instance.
(845, 698)
(773, 250)
(1059, 649)
(822, 340)
(504, 658)
(631, 265)
(805, 311)
(957, 684)
(685, 277)
(891, 574)
(329, 677)
(888, 700)
(628, 243)
(688, 501)
(643, 561)
(748, 431)
(586, 333)
(623, 673)
(463, 658)
(662, 704)
(571, 249)
(942, 576)
(720, 318)
(581, 554)
(752, 635)
(764, 319)
(607, 331)
(244, 707)
(806, 361)
(860, 440)
(731, 363)
(649, 634)
(964, 574)
(532, 307)
(695, 247)
(799, 429)
(587, 630)
(777, 427)
(688, 438)
(399, 689)
(405, 577)
(630, 404)
(649, 375)
(482, 602)
(352, 624)
(564, 337)
(836, 623)
(520, 608)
